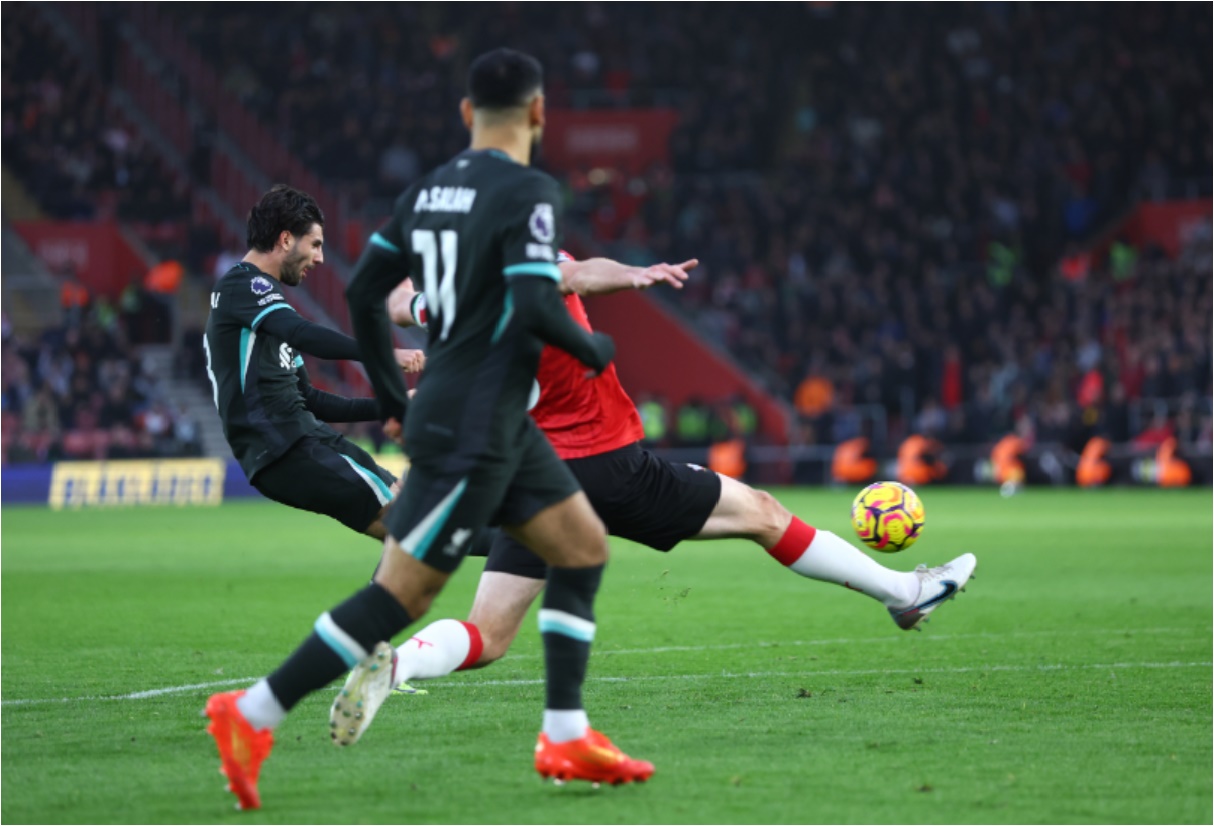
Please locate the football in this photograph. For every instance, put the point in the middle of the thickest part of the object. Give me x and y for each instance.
(887, 516)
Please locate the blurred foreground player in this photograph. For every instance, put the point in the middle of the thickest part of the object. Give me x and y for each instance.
(596, 429)
(272, 415)
(479, 231)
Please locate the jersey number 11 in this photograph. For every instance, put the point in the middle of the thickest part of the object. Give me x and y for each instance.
(440, 294)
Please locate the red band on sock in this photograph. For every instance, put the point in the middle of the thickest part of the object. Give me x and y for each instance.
(793, 543)
(476, 645)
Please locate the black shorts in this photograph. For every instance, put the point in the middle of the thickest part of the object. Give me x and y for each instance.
(326, 473)
(447, 501)
(637, 495)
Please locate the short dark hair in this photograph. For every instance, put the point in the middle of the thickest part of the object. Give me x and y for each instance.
(504, 79)
(282, 208)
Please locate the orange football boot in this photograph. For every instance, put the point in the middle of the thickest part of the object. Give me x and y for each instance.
(593, 758)
(242, 749)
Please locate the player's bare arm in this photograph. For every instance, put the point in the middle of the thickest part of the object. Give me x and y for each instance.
(594, 276)
(602, 276)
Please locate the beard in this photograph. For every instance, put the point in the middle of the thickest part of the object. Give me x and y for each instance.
(292, 272)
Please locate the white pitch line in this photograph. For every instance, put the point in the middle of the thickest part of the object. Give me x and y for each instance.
(137, 695)
(724, 675)
(893, 638)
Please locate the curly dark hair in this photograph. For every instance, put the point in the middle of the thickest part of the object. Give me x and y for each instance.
(282, 208)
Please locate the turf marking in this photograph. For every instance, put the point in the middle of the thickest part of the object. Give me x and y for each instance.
(669, 649)
(723, 675)
(726, 675)
(137, 695)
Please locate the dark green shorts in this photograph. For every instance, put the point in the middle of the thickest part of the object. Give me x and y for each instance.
(447, 501)
(326, 473)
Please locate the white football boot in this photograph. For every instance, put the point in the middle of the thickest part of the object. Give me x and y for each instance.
(936, 586)
(368, 685)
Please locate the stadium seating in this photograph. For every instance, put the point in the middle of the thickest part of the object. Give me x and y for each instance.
(82, 392)
(919, 199)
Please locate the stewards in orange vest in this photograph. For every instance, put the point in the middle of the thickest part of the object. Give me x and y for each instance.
(851, 464)
(164, 278)
(1170, 470)
(919, 462)
(1093, 470)
(728, 458)
(1006, 460)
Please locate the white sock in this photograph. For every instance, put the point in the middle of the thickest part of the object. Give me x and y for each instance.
(829, 558)
(563, 726)
(437, 650)
(260, 707)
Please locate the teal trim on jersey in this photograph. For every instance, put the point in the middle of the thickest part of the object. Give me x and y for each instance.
(497, 153)
(417, 543)
(299, 362)
(247, 337)
(267, 311)
(534, 268)
(382, 492)
(340, 650)
(384, 244)
(507, 314)
(549, 626)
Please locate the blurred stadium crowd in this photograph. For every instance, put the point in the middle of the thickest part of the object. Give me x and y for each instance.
(81, 392)
(892, 203)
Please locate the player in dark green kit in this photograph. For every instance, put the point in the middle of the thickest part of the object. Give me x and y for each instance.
(272, 415)
(480, 233)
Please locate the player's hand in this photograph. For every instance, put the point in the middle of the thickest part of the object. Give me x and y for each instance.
(394, 431)
(411, 361)
(672, 274)
(604, 352)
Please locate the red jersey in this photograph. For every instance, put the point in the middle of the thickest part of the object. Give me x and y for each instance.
(581, 416)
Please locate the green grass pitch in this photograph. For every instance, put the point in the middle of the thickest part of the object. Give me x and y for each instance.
(1070, 684)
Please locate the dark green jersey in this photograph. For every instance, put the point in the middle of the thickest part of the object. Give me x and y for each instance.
(254, 375)
(463, 232)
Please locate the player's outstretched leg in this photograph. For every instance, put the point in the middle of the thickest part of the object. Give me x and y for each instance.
(752, 514)
(572, 539)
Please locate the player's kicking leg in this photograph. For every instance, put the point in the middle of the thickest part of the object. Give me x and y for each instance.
(910, 597)
(571, 539)
(673, 502)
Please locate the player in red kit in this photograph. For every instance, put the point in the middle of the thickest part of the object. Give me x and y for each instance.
(595, 428)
